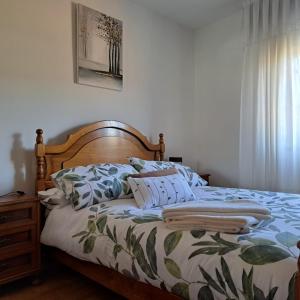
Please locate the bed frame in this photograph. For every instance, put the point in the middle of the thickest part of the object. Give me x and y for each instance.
(105, 141)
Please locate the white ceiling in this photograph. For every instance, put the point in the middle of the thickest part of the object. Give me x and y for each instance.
(193, 13)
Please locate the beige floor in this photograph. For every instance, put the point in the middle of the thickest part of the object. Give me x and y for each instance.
(58, 283)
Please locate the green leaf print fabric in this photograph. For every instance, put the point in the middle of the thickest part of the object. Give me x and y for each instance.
(191, 264)
(86, 186)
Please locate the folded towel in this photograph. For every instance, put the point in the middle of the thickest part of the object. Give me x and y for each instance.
(216, 214)
(235, 207)
(212, 220)
(231, 230)
(232, 216)
(230, 224)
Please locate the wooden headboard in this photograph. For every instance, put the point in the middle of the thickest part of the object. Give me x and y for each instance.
(105, 141)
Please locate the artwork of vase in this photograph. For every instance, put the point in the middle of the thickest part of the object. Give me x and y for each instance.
(99, 49)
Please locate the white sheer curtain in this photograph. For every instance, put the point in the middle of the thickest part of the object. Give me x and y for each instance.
(270, 106)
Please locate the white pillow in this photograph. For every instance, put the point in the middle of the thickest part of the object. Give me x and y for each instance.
(150, 192)
(144, 166)
(93, 184)
(53, 197)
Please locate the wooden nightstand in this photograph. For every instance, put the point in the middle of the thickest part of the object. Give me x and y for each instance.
(19, 237)
(205, 177)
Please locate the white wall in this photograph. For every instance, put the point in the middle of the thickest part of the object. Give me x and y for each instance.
(37, 89)
(218, 63)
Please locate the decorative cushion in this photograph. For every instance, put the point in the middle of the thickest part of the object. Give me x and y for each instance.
(144, 166)
(86, 186)
(150, 192)
(159, 173)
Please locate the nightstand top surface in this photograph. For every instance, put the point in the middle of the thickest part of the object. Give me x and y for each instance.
(15, 199)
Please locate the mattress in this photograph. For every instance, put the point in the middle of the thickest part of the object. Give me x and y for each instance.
(192, 264)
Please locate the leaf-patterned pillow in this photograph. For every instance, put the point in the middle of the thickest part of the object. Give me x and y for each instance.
(151, 192)
(144, 166)
(86, 186)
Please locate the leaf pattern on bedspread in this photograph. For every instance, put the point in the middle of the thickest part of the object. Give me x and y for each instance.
(199, 264)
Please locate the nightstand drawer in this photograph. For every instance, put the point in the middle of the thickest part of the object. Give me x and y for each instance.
(17, 237)
(17, 215)
(17, 264)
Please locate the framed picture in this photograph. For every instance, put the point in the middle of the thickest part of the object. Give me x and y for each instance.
(99, 49)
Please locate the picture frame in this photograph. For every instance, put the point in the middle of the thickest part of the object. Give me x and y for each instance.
(99, 49)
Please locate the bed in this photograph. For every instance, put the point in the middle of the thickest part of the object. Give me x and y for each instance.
(131, 251)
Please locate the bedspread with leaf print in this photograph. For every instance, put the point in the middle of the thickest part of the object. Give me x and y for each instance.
(191, 264)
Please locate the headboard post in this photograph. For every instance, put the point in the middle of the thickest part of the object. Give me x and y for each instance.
(40, 160)
(162, 146)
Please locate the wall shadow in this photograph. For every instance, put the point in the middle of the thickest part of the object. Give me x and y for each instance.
(63, 136)
(23, 161)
